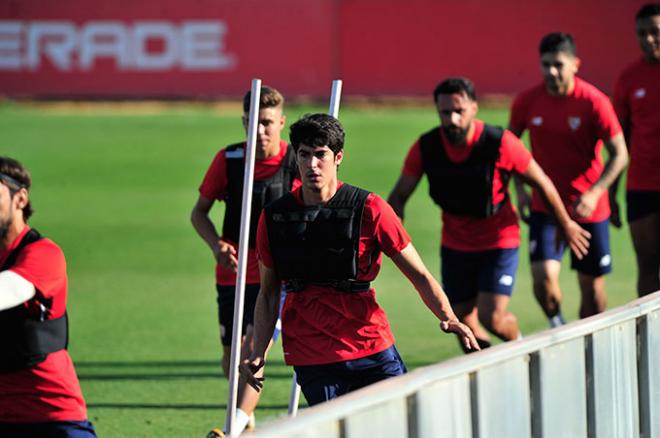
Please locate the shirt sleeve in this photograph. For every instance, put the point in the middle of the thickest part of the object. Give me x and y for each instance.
(214, 185)
(518, 117)
(263, 245)
(514, 157)
(412, 166)
(388, 230)
(43, 264)
(605, 119)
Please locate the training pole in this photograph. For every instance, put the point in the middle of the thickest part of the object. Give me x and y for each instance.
(239, 300)
(335, 98)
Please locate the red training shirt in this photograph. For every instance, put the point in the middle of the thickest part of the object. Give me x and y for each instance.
(466, 233)
(637, 101)
(321, 325)
(214, 186)
(566, 134)
(49, 391)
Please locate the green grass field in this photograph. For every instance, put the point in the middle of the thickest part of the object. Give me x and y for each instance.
(115, 191)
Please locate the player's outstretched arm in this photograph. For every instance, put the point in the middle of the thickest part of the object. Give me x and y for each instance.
(402, 190)
(411, 265)
(576, 236)
(265, 318)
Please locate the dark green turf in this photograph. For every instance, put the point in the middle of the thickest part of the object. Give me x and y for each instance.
(115, 191)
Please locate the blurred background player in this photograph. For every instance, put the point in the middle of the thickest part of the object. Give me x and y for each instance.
(569, 121)
(325, 241)
(39, 391)
(637, 103)
(468, 164)
(274, 175)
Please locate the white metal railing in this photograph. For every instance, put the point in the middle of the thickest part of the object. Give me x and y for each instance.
(597, 377)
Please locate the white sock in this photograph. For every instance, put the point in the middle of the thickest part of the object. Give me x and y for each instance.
(242, 419)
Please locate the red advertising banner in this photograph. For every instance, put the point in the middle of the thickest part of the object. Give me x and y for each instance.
(211, 48)
(169, 48)
(410, 46)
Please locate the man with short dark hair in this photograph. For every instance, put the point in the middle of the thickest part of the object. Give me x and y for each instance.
(468, 164)
(637, 103)
(325, 241)
(569, 121)
(274, 175)
(39, 391)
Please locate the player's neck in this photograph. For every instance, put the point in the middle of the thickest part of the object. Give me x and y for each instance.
(320, 196)
(564, 91)
(271, 151)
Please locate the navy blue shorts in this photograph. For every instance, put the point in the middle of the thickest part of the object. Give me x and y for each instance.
(321, 383)
(542, 245)
(226, 309)
(466, 273)
(52, 429)
(641, 203)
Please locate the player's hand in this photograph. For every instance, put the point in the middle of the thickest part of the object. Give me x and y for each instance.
(225, 254)
(586, 204)
(576, 237)
(463, 331)
(615, 212)
(249, 369)
(524, 204)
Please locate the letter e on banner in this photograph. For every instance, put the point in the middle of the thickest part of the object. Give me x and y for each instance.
(203, 46)
(10, 45)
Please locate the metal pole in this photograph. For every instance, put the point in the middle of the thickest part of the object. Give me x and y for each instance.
(333, 110)
(335, 97)
(246, 209)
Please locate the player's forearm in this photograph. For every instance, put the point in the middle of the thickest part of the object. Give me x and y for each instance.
(265, 317)
(205, 229)
(617, 161)
(435, 298)
(431, 293)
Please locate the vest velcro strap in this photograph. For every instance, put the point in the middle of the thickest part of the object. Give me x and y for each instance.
(299, 285)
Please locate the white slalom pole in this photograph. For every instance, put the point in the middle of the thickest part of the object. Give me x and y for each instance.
(246, 209)
(335, 98)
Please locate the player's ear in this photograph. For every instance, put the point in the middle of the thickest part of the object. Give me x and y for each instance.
(578, 62)
(21, 198)
(339, 156)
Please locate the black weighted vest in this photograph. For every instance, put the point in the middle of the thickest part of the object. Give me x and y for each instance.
(25, 341)
(318, 244)
(263, 192)
(464, 188)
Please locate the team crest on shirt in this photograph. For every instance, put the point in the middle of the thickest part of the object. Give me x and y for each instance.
(537, 121)
(640, 93)
(574, 123)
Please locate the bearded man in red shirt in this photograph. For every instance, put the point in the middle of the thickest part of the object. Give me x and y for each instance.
(39, 391)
